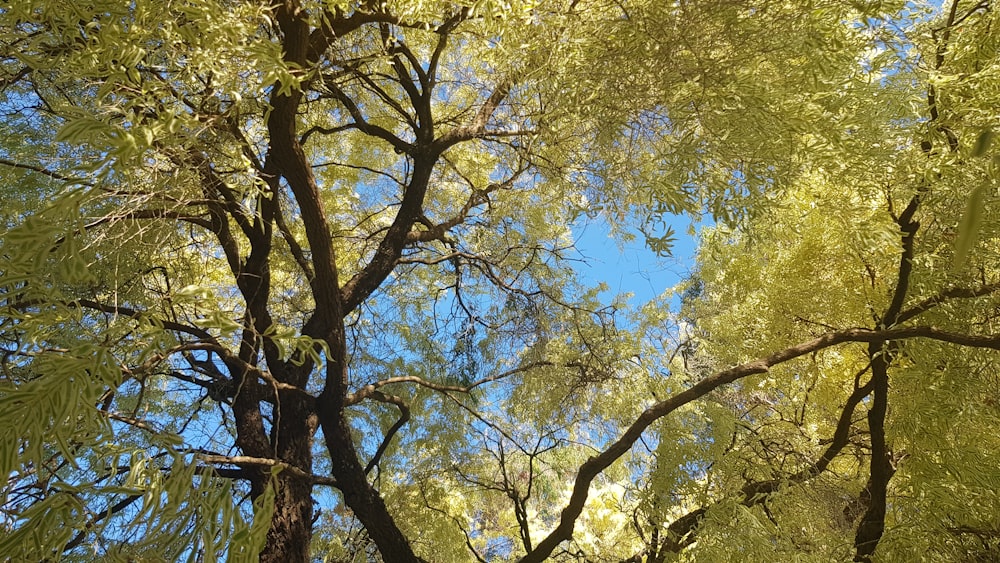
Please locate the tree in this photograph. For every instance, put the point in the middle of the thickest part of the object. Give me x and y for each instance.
(295, 281)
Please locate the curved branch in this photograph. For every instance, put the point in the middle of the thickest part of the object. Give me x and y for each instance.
(364, 126)
(199, 333)
(366, 80)
(111, 511)
(476, 198)
(953, 293)
(595, 465)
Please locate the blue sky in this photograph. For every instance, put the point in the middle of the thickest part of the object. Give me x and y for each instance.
(632, 267)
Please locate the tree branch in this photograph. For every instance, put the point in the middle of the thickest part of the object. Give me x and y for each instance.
(404, 417)
(597, 464)
(45, 172)
(249, 461)
(111, 511)
(199, 333)
(952, 293)
(368, 390)
(477, 127)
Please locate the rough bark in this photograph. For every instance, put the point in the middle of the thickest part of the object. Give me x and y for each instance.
(291, 525)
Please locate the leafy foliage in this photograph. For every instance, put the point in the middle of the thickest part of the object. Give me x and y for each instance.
(297, 281)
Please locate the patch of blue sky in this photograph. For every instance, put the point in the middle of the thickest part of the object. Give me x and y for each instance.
(630, 267)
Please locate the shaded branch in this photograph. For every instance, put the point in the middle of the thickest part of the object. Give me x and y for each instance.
(324, 131)
(17, 77)
(476, 198)
(199, 333)
(45, 172)
(364, 126)
(682, 531)
(111, 511)
(152, 214)
(293, 245)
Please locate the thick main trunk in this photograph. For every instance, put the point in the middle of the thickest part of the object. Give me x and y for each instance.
(291, 525)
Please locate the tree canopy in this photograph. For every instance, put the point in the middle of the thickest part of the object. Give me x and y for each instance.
(298, 281)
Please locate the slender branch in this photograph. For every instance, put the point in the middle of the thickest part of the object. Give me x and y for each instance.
(17, 77)
(476, 198)
(151, 214)
(419, 99)
(45, 172)
(324, 131)
(444, 32)
(111, 511)
(366, 80)
(364, 126)
(293, 245)
(215, 185)
(840, 439)
(682, 531)
(336, 25)
(382, 173)
(404, 417)
(477, 127)
(941, 49)
(199, 333)
(952, 293)
(368, 390)
(459, 524)
(389, 250)
(249, 461)
(218, 389)
(134, 422)
(207, 342)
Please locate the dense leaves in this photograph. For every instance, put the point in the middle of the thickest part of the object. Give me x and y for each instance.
(298, 281)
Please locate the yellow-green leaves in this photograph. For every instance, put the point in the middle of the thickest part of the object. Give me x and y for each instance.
(295, 347)
(982, 144)
(971, 223)
(199, 250)
(968, 228)
(43, 529)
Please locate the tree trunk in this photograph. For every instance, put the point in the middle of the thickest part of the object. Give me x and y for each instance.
(290, 535)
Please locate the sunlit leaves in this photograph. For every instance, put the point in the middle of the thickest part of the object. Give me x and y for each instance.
(969, 227)
(177, 264)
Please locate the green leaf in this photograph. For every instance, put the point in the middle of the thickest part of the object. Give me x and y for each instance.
(968, 228)
(80, 129)
(982, 143)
